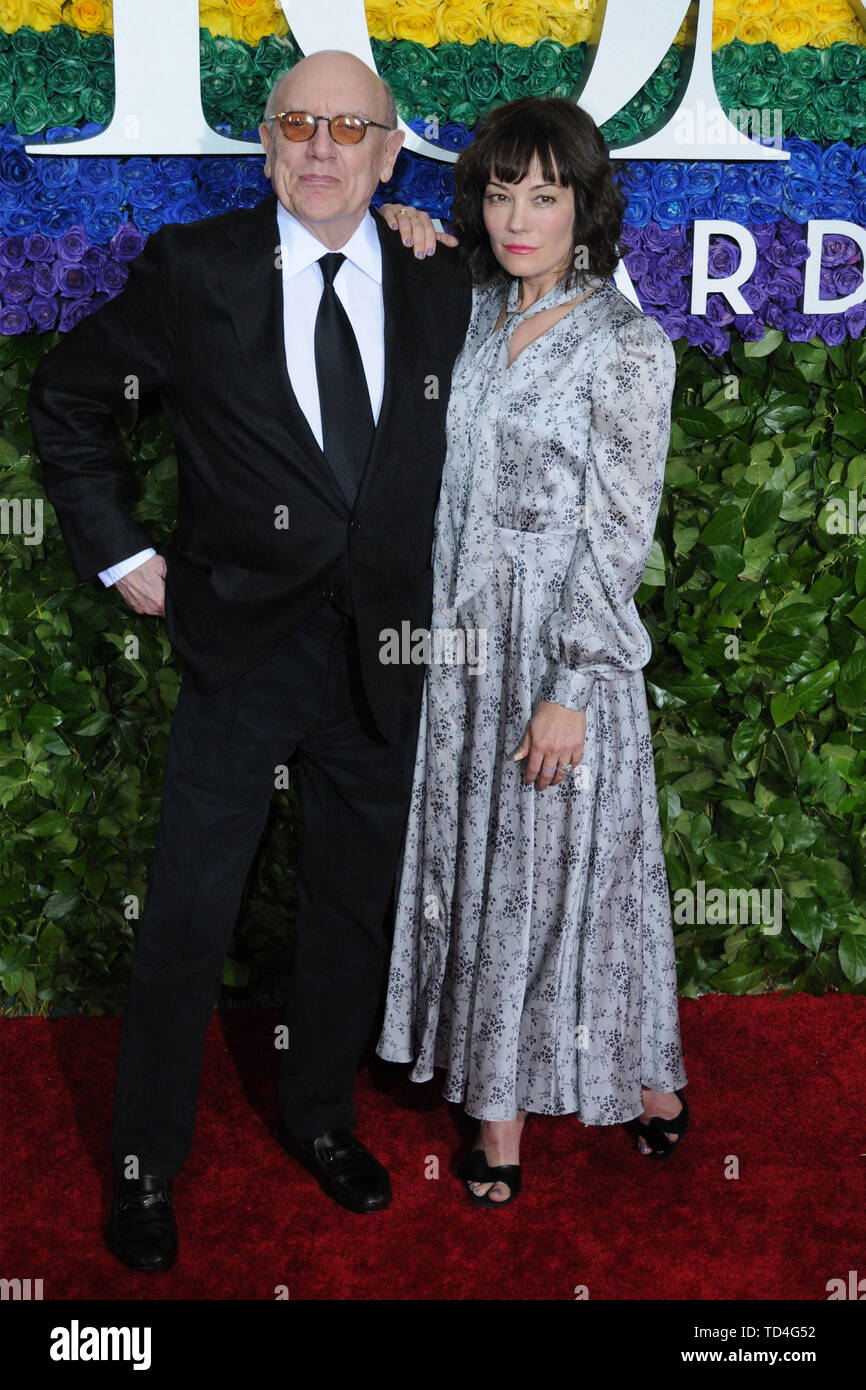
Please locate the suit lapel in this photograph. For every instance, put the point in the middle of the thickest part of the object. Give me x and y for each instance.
(253, 287)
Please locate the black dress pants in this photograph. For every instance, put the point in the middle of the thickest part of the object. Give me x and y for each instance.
(225, 748)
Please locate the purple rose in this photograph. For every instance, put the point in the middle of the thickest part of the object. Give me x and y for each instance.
(112, 277)
(43, 311)
(658, 239)
(800, 328)
(838, 250)
(13, 252)
(72, 245)
(43, 279)
(637, 263)
(39, 248)
(749, 326)
(72, 312)
(16, 286)
(754, 295)
(73, 282)
(832, 329)
(14, 319)
(723, 257)
(127, 242)
(846, 279)
(673, 324)
(719, 312)
(764, 235)
(855, 319)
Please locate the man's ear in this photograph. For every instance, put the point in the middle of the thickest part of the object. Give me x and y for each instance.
(266, 137)
(393, 141)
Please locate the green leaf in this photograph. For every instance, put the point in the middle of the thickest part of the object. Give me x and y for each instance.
(852, 957)
(49, 823)
(773, 338)
(41, 717)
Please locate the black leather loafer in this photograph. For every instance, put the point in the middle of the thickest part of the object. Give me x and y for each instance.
(141, 1230)
(343, 1167)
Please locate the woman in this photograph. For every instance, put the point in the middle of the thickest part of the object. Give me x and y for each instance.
(533, 952)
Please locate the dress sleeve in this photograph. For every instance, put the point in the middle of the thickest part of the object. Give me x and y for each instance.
(596, 633)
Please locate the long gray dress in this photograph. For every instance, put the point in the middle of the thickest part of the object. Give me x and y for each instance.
(533, 953)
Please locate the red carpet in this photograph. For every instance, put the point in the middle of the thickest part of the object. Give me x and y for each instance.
(775, 1081)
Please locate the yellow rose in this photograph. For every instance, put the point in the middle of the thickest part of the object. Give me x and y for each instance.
(244, 7)
(87, 15)
(755, 30)
(416, 21)
(260, 25)
(758, 8)
(724, 30)
(839, 33)
(793, 30)
(723, 9)
(11, 15)
(515, 21)
(216, 18)
(43, 14)
(463, 22)
(377, 18)
(832, 12)
(568, 29)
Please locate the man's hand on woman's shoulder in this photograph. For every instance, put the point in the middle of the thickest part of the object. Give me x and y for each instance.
(416, 228)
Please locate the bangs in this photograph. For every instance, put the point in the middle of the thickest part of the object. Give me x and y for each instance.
(514, 156)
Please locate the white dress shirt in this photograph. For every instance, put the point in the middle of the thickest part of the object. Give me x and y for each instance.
(358, 285)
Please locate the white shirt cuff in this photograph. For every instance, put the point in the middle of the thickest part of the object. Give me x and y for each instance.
(111, 576)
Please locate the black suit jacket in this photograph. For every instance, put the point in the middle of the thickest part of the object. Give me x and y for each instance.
(200, 321)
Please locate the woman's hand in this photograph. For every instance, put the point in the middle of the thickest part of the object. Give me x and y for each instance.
(554, 738)
(416, 228)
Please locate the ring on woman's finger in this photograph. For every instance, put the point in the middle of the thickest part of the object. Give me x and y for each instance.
(546, 768)
(563, 767)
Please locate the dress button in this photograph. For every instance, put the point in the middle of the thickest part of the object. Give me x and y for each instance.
(354, 525)
(328, 593)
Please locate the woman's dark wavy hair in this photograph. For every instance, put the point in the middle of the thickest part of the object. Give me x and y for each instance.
(571, 152)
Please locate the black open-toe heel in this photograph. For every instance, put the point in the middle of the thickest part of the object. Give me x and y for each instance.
(656, 1132)
(475, 1168)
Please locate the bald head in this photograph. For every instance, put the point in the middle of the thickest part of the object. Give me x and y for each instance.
(333, 67)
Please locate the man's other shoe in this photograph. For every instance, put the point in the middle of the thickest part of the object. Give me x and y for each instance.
(141, 1230)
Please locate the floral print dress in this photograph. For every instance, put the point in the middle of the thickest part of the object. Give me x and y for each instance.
(533, 953)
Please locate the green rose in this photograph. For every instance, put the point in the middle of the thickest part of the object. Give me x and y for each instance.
(622, 129)
(62, 42)
(64, 108)
(832, 98)
(670, 63)
(513, 58)
(836, 126)
(547, 55)
(69, 75)
(757, 90)
(5, 105)
(29, 74)
(217, 87)
(447, 89)
(7, 68)
(732, 58)
(513, 86)
(102, 78)
(769, 59)
(26, 42)
(465, 114)
(29, 112)
(807, 125)
(276, 54)
(233, 55)
(97, 106)
(97, 48)
(206, 48)
(412, 60)
(482, 86)
(453, 59)
(805, 62)
(660, 88)
(795, 92)
(847, 61)
(573, 63)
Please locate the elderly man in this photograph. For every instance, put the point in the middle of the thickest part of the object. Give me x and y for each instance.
(302, 355)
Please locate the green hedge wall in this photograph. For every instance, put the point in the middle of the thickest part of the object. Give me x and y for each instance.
(755, 597)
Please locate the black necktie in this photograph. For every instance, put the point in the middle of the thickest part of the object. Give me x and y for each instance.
(347, 417)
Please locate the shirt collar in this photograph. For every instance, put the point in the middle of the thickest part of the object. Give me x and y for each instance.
(300, 248)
